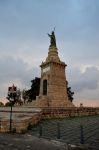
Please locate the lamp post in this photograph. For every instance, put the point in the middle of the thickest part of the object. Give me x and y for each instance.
(12, 93)
(11, 101)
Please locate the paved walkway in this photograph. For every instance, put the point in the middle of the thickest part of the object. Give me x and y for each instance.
(28, 142)
(20, 108)
(18, 112)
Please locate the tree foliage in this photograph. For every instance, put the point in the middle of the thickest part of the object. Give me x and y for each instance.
(35, 87)
(14, 98)
(70, 94)
(34, 90)
(7, 104)
(1, 104)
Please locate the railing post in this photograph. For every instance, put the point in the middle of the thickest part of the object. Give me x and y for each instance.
(0, 123)
(40, 130)
(58, 130)
(81, 134)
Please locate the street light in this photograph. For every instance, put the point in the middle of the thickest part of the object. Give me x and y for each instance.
(12, 93)
(11, 102)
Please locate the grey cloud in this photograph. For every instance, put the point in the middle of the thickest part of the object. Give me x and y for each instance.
(23, 33)
(11, 69)
(88, 80)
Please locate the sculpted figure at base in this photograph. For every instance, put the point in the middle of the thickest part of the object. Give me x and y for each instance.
(52, 39)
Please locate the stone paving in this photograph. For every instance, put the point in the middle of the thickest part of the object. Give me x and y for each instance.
(17, 112)
(21, 118)
(24, 109)
(29, 142)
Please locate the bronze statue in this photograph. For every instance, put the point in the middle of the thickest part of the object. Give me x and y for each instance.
(52, 39)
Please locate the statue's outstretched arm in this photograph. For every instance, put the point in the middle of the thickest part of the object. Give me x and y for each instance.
(49, 35)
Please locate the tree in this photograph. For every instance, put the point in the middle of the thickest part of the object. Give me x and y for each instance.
(25, 95)
(7, 104)
(14, 96)
(34, 90)
(35, 87)
(70, 94)
(1, 104)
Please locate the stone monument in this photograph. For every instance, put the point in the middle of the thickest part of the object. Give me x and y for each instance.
(53, 85)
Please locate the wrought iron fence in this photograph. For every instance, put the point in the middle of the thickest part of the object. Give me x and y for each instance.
(79, 130)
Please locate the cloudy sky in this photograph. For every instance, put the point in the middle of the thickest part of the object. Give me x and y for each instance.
(24, 43)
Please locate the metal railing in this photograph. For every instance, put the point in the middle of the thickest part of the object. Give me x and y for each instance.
(80, 130)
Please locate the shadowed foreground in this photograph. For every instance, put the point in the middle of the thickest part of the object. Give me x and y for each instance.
(28, 142)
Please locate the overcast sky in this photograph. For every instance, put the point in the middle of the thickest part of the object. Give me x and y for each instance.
(24, 43)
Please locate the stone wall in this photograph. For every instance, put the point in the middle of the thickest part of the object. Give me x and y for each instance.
(22, 120)
(21, 123)
(69, 112)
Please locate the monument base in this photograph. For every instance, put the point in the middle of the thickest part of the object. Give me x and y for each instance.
(45, 101)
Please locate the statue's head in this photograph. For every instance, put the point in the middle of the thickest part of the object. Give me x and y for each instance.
(52, 32)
